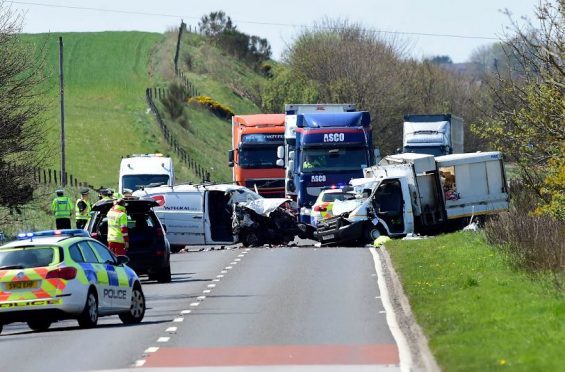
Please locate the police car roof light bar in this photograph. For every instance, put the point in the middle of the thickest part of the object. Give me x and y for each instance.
(45, 233)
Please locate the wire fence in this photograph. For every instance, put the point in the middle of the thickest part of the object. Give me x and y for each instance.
(46, 176)
(157, 93)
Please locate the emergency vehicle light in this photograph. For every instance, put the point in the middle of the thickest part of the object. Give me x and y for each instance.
(45, 233)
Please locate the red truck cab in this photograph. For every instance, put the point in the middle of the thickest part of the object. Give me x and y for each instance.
(255, 139)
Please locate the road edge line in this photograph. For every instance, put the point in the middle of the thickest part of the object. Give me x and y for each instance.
(404, 352)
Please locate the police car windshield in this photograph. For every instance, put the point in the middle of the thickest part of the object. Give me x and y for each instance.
(137, 181)
(26, 257)
(324, 159)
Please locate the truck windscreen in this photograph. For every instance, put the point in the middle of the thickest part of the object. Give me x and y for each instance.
(258, 157)
(324, 159)
(137, 181)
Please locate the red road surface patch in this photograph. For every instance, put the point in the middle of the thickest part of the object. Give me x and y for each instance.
(275, 355)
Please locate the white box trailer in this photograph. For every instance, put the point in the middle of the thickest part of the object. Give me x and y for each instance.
(437, 134)
(420, 193)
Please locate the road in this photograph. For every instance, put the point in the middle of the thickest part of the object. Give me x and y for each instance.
(304, 308)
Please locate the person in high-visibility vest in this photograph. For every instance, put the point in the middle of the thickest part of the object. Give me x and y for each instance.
(82, 210)
(62, 208)
(118, 240)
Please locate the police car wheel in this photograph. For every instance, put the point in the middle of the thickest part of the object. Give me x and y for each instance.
(137, 308)
(89, 316)
(39, 325)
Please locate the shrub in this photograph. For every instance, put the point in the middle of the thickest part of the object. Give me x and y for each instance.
(534, 242)
(222, 111)
(174, 100)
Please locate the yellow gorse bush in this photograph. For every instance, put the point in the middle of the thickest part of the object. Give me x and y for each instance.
(214, 106)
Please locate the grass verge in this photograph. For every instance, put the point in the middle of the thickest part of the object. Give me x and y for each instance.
(477, 312)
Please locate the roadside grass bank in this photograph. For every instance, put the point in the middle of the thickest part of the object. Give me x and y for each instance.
(477, 311)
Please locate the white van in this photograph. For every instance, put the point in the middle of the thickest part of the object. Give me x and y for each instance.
(197, 214)
(145, 170)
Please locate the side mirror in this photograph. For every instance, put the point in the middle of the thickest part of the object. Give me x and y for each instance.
(122, 260)
(280, 152)
(291, 155)
(280, 162)
(230, 158)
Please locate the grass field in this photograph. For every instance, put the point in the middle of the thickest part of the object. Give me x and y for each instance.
(106, 74)
(477, 312)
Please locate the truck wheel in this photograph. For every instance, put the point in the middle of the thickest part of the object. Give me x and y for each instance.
(371, 233)
(89, 316)
(39, 325)
(137, 309)
(251, 240)
(164, 276)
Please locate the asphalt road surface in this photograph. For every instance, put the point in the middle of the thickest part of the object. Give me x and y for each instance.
(316, 309)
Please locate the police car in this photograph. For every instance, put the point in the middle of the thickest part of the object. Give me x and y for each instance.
(323, 207)
(52, 275)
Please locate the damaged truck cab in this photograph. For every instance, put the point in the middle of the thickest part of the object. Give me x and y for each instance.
(417, 193)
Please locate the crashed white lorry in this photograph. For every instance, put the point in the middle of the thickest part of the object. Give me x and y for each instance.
(417, 193)
(205, 215)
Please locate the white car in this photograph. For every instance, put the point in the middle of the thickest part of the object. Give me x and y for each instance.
(64, 274)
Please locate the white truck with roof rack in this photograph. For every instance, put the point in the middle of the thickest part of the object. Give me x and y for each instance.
(417, 193)
(138, 171)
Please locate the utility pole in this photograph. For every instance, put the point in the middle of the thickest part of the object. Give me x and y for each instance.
(62, 91)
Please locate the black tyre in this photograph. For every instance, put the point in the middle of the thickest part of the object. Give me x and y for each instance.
(164, 276)
(137, 309)
(251, 239)
(371, 233)
(89, 316)
(39, 325)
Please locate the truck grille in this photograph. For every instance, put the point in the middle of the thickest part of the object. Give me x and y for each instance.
(333, 223)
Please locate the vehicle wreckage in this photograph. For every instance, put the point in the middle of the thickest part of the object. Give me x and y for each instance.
(265, 221)
(417, 193)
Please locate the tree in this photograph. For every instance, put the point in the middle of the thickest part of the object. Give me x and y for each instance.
(22, 135)
(215, 23)
(438, 60)
(527, 122)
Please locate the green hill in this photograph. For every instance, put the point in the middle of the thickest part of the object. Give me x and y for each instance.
(106, 74)
(106, 115)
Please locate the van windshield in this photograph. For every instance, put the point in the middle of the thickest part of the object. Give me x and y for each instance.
(137, 181)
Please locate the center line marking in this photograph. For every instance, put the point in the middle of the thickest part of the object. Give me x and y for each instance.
(163, 339)
(171, 330)
(237, 260)
(151, 349)
(179, 319)
(185, 312)
(233, 263)
(206, 291)
(219, 276)
(240, 255)
(229, 267)
(195, 304)
(224, 271)
(139, 363)
(216, 280)
(211, 285)
(201, 298)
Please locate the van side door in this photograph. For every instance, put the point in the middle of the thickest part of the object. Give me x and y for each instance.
(183, 216)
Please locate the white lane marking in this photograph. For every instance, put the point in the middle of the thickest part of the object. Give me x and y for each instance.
(382, 312)
(201, 298)
(195, 304)
(399, 337)
(185, 312)
(151, 349)
(233, 263)
(247, 249)
(171, 330)
(373, 274)
(206, 291)
(224, 271)
(237, 260)
(229, 267)
(219, 276)
(378, 297)
(163, 339)
(240, 255)
(179, 319)
(211, 285)
(139, 363)
(216, 280)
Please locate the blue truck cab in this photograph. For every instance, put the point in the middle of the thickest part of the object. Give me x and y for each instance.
(325, 150)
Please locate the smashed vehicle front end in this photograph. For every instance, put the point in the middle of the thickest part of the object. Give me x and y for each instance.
(265, 221)
(349, 227)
